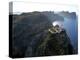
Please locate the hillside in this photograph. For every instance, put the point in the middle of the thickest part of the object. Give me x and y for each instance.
(30, 36)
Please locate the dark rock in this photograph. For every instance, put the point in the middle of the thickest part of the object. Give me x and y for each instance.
(30, 37)
(55, 44)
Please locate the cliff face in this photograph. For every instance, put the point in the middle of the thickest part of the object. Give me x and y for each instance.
(30, 37)
(55, 44)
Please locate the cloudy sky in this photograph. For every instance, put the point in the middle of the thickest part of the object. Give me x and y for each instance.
(19, 7)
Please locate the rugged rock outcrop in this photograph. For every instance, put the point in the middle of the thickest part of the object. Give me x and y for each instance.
(30, 37)
(55, 44)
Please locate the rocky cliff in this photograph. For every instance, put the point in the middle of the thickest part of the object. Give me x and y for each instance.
(55, 44)
(30, 37)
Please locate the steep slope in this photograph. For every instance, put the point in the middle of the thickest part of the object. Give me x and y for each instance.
(30, 36)
(55, 44)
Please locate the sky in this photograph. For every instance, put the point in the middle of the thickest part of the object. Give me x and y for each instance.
(19, 7)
